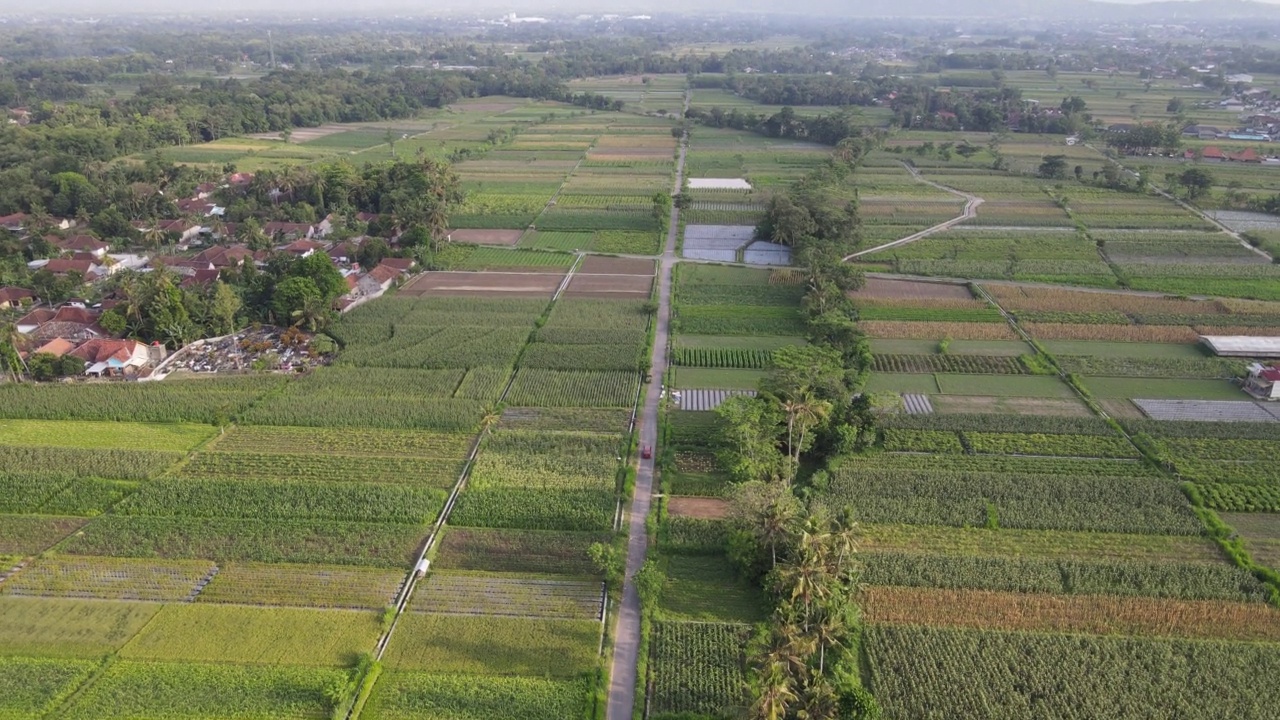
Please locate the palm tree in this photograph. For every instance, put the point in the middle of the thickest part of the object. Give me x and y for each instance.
(829, 630)
(808, 576)
(153, 236)
(773, 697)
(9, 338)
(313, 315)
(804, 411)
(776, 524)
(818, 700)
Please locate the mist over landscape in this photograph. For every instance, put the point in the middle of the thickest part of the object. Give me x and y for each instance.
(607, 361)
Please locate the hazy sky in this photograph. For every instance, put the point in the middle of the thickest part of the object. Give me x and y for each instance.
(409, 6)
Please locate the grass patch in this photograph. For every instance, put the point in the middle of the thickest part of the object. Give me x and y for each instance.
(422, 696)
(902, 382)
(69, 628)
(706, 588)
(267, 636)
(736, 342)
(1172, 351)
(494, 645)
(1164, 388)
(1003, 385)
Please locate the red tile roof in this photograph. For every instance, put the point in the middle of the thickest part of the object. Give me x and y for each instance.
(382, 274)
(60, 266)
(83, 243)
(56, 347)
(39, 316)
(15, 294)
(79, 315)
(1212, 152)
(401, 264)
(101, 350)
(1271, 373)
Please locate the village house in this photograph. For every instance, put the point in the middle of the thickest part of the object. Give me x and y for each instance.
(71, 322)
(56, 347)
(288, 230)
(63, 267)
(401, 265)
(112, 358)
(14, 222)
(81, 243)
(1263, 382)
(220, 257)
(11, 297)
(378, 280)
(302, 248)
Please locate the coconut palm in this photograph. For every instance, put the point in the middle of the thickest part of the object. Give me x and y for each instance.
(313, 315)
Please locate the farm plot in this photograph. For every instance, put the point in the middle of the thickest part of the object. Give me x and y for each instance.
(33, 534)
(199, 692)
(1162, 388)
(478, 236)
(698, 669)
(483, 284)
(569, 388)
(54, 627)
(883, 289)
(1093, 614)
(525, 596)
(110, 579)
(567, 419)
(506, 550)
(158, 437)
(1261, 533)
(317, 586)
(297, 541)
(1059, 676)
(193, 401)
(260, 636)
(422, 696)
(494, 645)
(430, 472)
(703, 400)
(32, 687)
(376, 443)
(623, 287)
(1205, 410)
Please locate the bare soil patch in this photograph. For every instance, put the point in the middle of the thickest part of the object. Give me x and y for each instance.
(485, 284)
(301, 135)
(1062, 407)
(486, 237)
(698, 507)
(1122, 409)
(881, 288)
(598, 265)
(627, 287)
(496, 107)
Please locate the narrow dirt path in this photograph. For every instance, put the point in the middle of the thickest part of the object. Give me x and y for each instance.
(626, 644)
(1188, 207)
(971, 203)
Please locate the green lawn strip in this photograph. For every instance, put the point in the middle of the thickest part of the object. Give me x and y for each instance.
(1039, 543)
(69, 628)
(1003, 385)
(1163, 388)
(706, 588)
(130, 690)
(885, 346)
(1124, 349)
(494, 645)
(171, 437)
(717, 378)
(258, 635)
(742, 342)
(988, 347)
(427, 696)
(924, 383)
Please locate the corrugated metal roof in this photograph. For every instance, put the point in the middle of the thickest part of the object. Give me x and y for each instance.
(1244, 345)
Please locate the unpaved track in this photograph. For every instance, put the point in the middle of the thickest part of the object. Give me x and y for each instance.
(626, 644)
(971, 203)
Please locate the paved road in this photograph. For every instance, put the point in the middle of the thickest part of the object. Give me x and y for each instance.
(626, 645)
(971, 203)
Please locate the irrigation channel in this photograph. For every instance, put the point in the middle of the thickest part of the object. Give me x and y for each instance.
(626, 647)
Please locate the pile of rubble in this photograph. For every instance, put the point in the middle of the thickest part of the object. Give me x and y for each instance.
(256, 349)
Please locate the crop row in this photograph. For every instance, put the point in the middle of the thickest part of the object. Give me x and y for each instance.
(330, 441)
(928, 441)
(992, 422)
(509, 550)
(510, 595)
(1046, 502)
(1152, 367)
(433, 472)
(429, 347)
(573, 388)
(231, 539)
(334, 409)
(318, 586)
(199, 401)
(535, 509)
(423, 696)
(1042, 444)
(1234, 497)
(582, 357)
(980, 364)
(722, 358)
(1068, 576)
(281, 500)
(697, 293)
(1062, 466)
(109, 578)
(32, 687)
(59, 494)
(987, 674)
(739, 320)
(118, 464)
(570, 419)
(698, 668)
(929, 314)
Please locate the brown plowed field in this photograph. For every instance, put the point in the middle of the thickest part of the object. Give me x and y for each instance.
(484, 284)
(624, 287)
(698, 507)
(486, 237)
(598, 265)
(881, 288)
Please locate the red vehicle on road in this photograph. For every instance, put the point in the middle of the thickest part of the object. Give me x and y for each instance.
(647, 452)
